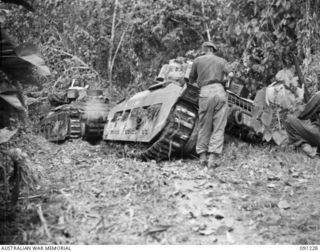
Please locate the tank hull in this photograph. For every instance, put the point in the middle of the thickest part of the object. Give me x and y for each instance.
(163, 117)
(84, 119)
(60, 124)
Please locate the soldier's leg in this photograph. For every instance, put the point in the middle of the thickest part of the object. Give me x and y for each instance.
(220, 115)
(311, 108)
(300, 132)
(205, 125)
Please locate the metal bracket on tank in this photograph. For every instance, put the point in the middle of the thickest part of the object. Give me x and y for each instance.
(157, 86)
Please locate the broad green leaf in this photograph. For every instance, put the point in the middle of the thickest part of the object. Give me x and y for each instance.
(257, 126)
(6, 135)
(260, 99)
(30, 53)
(20, 62)
(266, 117)
(13, 100)
(279, 136)
(267, 135)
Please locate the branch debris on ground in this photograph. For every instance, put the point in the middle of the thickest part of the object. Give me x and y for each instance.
(88, 195)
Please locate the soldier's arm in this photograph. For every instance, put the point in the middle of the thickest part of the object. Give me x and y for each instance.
(193, 73)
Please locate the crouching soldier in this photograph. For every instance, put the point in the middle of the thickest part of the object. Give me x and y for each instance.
(304, 131)
(208, 72)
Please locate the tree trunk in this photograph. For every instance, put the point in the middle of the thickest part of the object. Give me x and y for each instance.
(111, 45)
(205, 23)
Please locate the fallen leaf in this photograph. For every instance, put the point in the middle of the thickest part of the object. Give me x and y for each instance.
(222, 229)
(210, 202)
(244, 197)
(295, 175)
(272, 177)
(192, 215)
(208, 231)
(157, 229)
(266, 165)
(315, 214)
(291, 193)
(283, 204)
(221, 180)
(66, 161)
(244, 166)
(218, 216)
(213, 212)
(195, 229)
(273, 219)
(209, 185)
(230, 238)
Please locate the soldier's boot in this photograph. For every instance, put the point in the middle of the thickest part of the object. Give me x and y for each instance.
(214, 160)
(309, 150)
(203, 159)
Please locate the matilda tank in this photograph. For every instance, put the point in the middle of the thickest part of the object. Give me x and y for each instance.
(84, 117)
(163, 118)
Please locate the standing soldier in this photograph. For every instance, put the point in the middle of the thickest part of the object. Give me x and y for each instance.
(208, 72)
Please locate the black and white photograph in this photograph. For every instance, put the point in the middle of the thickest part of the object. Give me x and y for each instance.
(159, 122)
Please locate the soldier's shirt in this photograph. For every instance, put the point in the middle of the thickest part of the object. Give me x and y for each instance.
(208, 69)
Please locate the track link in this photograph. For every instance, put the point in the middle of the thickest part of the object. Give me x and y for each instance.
(176, 134)
(75, 125)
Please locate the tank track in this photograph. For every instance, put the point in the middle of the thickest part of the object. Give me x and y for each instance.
(175, 136)
(75, 125)
(180, 129)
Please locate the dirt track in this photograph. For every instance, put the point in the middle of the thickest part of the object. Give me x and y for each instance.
(261, 195)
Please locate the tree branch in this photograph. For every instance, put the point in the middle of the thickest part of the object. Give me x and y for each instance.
(118, 47)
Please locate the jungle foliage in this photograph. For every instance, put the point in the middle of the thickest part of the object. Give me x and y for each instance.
(125, 42)
(122, 44)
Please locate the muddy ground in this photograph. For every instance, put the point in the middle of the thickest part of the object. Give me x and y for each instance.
(87, 194)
